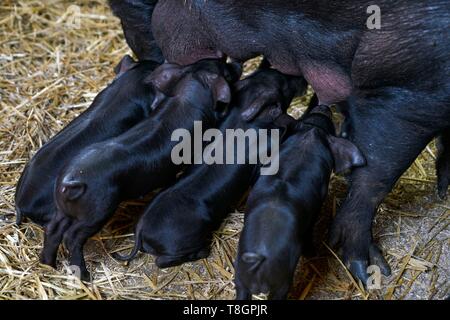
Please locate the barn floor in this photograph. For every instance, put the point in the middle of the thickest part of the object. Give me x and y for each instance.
(52, 65)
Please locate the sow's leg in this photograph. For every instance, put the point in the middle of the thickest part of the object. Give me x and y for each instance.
(136, 19)
(391, 127)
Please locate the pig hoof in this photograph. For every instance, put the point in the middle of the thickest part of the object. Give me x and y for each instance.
(358, 265)
(85, 276)
(442, 191)
(377, 259)
(360, 268)
(48, 261)
(359, 271)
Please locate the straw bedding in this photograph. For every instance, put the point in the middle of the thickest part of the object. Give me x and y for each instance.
(53, 60)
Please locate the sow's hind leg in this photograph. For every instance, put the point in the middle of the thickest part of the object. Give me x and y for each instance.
(391, 134)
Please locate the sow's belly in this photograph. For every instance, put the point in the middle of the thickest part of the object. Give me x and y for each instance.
(331, 84)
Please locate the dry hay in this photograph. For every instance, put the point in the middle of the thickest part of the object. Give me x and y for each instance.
(50, 72)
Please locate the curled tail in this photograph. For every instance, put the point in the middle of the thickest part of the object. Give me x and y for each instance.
(134, 252)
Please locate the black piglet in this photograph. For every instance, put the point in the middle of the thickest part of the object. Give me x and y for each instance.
(282, 209)
(128, 100)
(90, 187)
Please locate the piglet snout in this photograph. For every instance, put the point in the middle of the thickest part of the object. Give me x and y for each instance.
(72, 190)
(252, 260)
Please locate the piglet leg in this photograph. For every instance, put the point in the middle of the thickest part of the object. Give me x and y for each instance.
(75, 240)
(52, 239)
(443, 164)
(77, 259)
(241, 291)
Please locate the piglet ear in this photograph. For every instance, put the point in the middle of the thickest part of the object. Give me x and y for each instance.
(165, 77)
(221, 91)
(124, 65)
(346, 155)
(260, 102)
